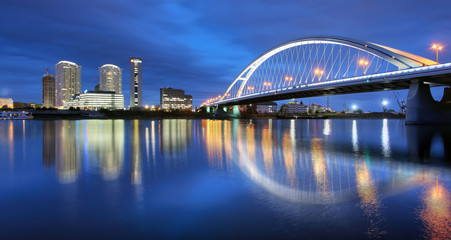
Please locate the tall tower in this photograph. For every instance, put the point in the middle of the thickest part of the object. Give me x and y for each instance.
(110, 78)
(68, 81)
(135, 82)
(48, 91)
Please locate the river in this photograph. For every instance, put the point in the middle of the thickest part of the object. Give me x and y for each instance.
(224, 179)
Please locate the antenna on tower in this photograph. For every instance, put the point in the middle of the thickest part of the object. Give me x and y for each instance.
(47, 70)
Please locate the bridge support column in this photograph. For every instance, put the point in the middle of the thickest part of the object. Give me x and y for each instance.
(227, 111)
(423, 109)
(236, 111)
(208, 110)
(220, 112)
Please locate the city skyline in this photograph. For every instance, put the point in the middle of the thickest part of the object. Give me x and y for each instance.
(193, 46)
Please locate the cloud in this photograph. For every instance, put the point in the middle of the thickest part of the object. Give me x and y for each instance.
(199, 46)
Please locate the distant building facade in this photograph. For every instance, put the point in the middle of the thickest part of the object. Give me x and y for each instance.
(135, 82)
(110, 78)
(266, 107)
(175, 99)
(295, 108)
(48, 91)
(67, 81)
(96, 100)
(316, 108)
(8, 102)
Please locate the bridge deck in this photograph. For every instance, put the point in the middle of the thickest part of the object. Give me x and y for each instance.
(439, 74)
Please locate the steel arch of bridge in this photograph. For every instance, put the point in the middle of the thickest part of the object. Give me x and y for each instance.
(376, 56)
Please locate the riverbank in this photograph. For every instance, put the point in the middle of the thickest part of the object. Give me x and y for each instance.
(146, 114)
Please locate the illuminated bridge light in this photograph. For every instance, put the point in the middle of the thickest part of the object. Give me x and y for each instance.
(313, 71)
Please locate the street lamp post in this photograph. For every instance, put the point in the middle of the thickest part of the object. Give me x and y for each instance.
(437, 48)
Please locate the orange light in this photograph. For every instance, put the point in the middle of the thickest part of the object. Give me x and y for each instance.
(437, 47)
(318, 71)
(363, 62)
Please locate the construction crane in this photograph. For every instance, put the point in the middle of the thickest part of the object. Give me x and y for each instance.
(401, 101)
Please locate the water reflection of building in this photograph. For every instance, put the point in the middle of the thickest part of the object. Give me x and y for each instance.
(66, 149)
(213, 141)
(48, 143)
(175, 138)
(104, 140)
(135, 153)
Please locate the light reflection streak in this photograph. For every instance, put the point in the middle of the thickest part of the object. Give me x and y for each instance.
(355, 140)
(250, 142)
(11, 144)
(24, 142)
(435, 212)
(147, 146)
(293, 130)
(385, 139)
(290, 164)
(319, 165)
(326, 130)
(369, 200)
(135, 158)
(153, 143)
(267, 146)
(228, 143)
(213, 141)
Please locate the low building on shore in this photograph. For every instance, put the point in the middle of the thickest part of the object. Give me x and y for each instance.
(294, 108)
(95, 100)
(172, 99)
(8, 102)
(266, 107)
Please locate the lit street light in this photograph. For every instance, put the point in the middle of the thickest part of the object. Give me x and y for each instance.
(364, 63)
(437, 48)
(319, 72)
(384, 105)
(354, 107)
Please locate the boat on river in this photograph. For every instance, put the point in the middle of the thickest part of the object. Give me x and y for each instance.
(15, 115)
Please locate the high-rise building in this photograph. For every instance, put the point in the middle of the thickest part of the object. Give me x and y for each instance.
(48, 91)
(110, 78)
(175, 99)
(135, 82)
(68, 81)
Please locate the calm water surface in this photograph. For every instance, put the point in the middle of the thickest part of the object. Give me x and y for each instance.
(207, 179)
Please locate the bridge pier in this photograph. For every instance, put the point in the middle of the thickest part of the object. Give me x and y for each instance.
(224, 111)
(423, 109)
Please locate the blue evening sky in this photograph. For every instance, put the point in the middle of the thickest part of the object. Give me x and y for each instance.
(200, 45)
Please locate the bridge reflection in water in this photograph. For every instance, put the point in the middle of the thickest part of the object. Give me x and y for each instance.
(304, 167)
(371, 173)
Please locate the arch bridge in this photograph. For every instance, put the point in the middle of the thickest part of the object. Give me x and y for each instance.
(319, 66)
